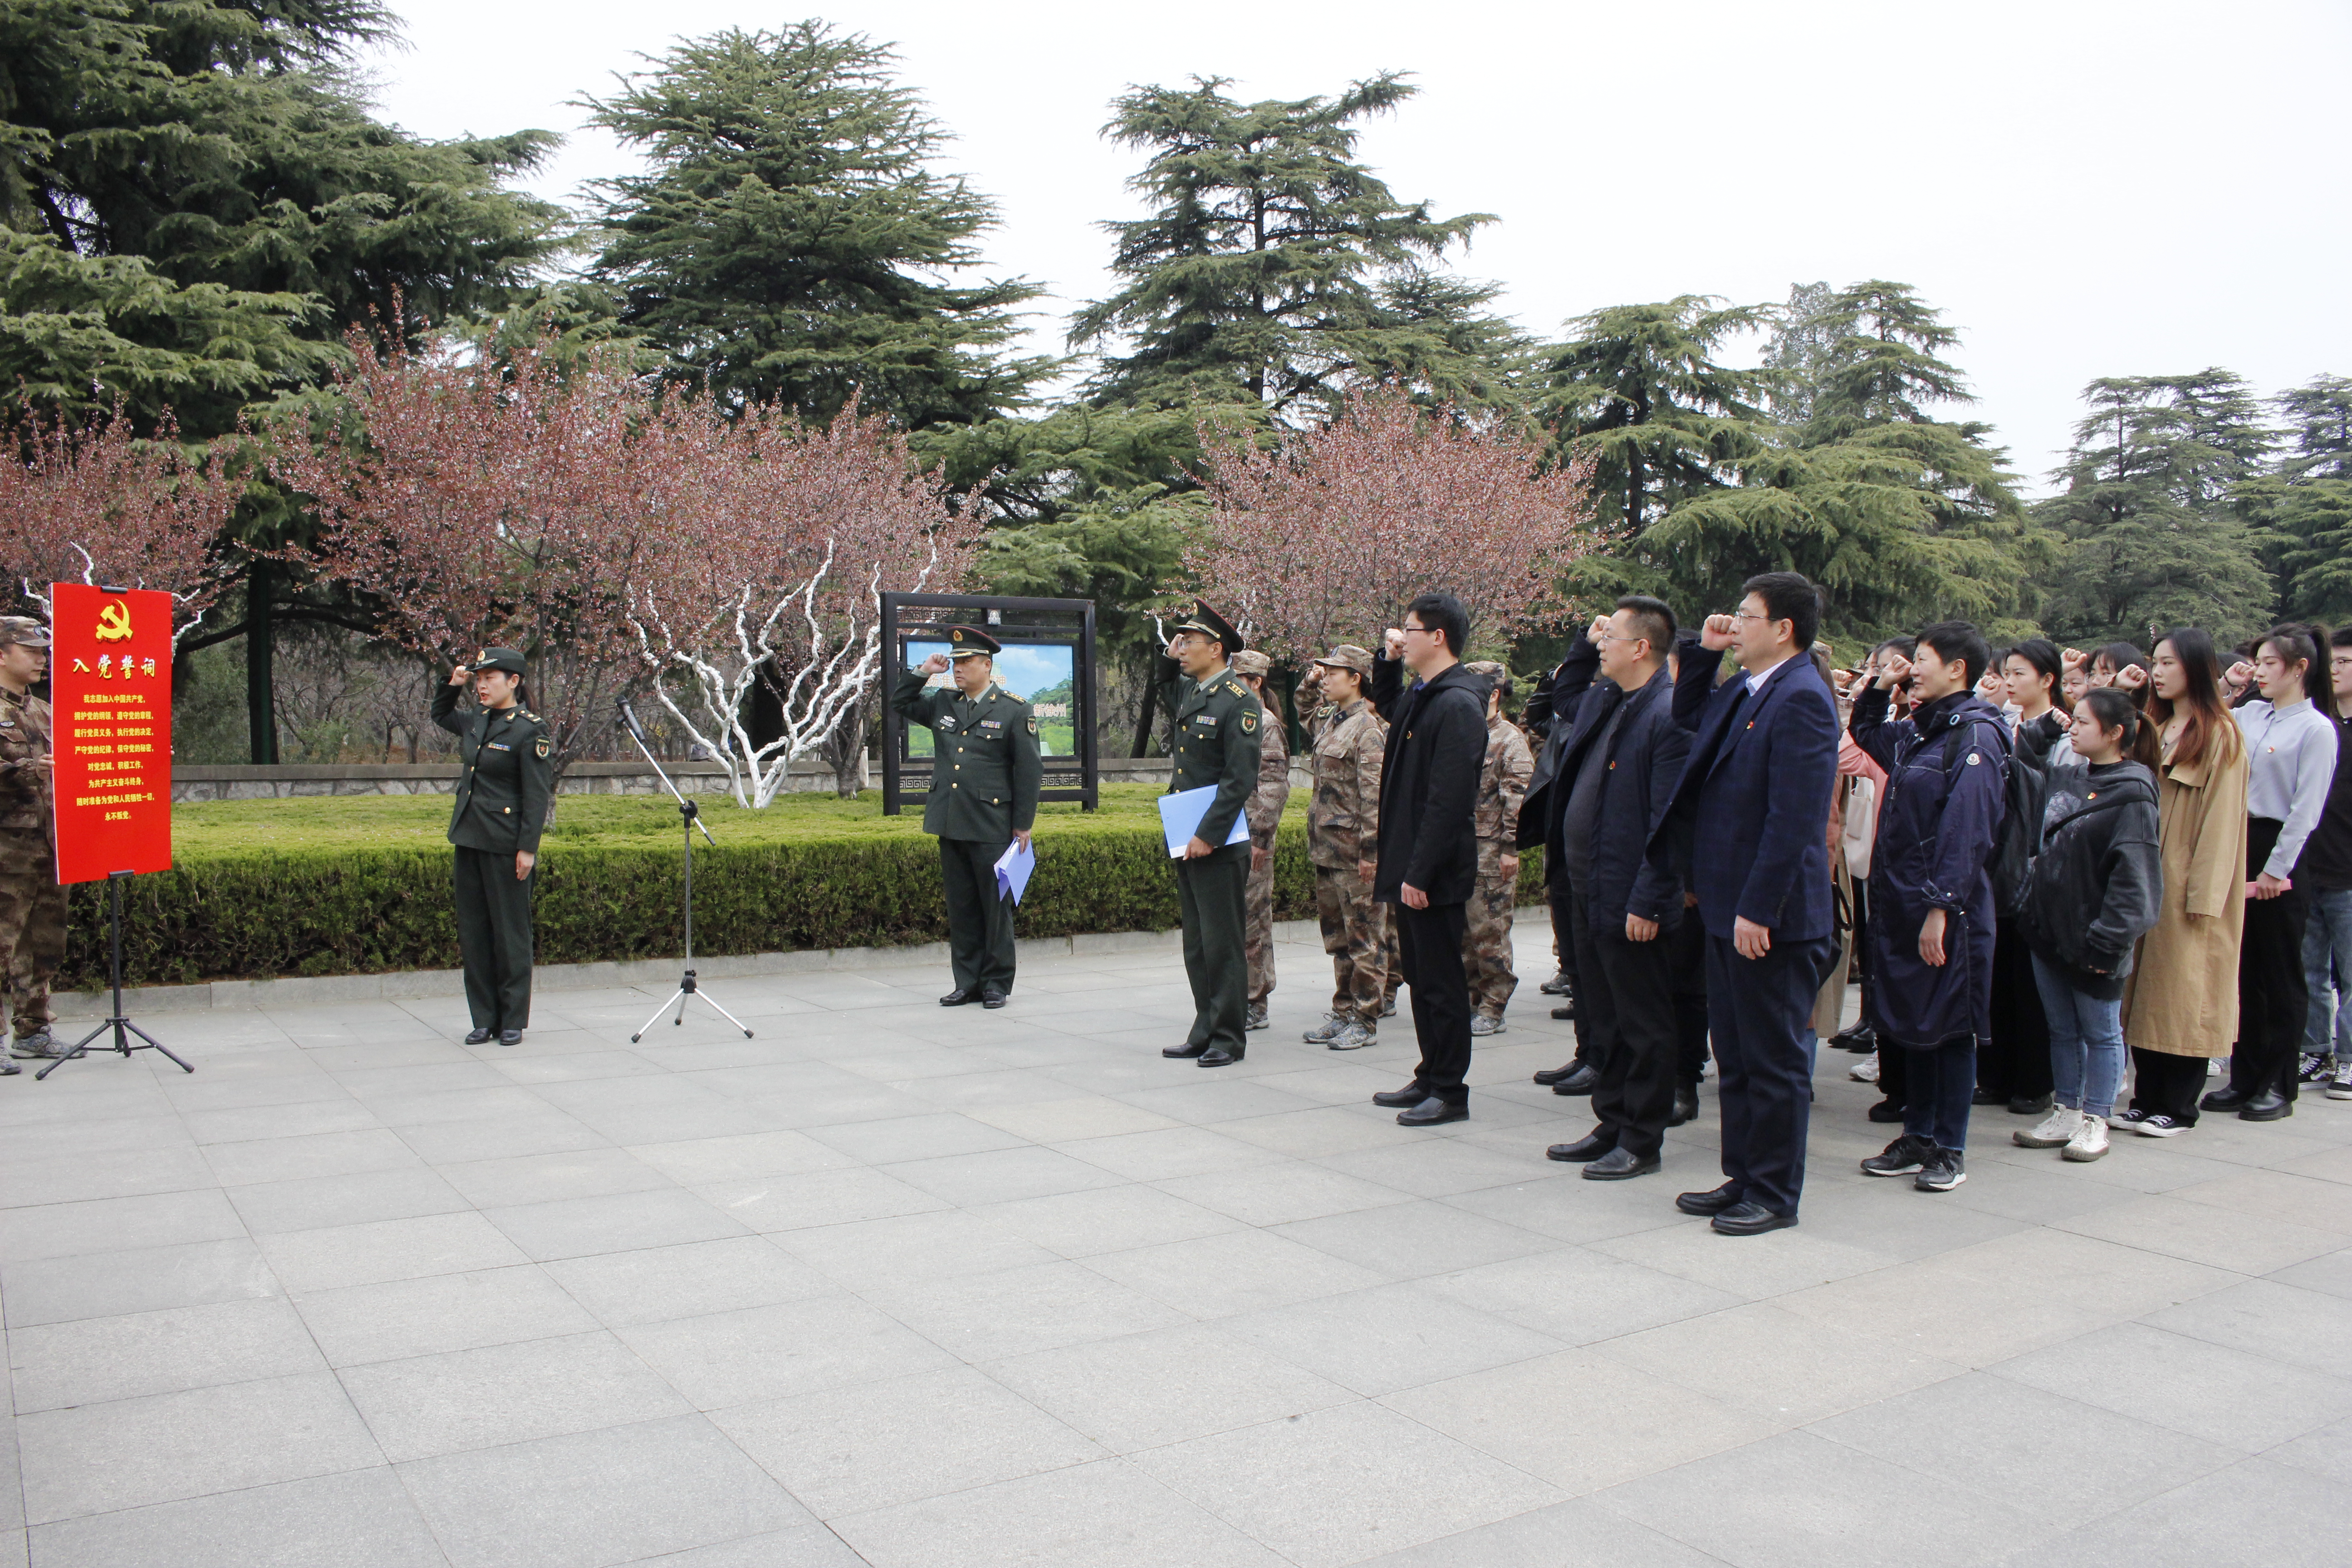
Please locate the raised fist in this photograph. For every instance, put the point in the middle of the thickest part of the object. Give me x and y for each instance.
(2075, 658)
(1597, 630)
(1392, 642)
(1715, 635)
(2131, 677)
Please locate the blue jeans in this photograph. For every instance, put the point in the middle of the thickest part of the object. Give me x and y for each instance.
(1936, 1094)
(2328, 945)
(2087, 1042)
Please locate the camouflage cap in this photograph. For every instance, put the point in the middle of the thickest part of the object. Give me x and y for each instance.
(24, 631)
(1251, 662)
(1348, 656)
(1491, 669)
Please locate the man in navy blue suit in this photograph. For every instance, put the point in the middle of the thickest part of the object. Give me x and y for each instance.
(1752, 814)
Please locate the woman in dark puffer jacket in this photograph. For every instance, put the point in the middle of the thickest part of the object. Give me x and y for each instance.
(2096, 888)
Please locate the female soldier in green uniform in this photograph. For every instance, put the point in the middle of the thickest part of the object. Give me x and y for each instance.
(502, 800)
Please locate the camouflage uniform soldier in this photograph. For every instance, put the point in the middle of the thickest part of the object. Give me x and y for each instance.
(1343, 828)
(1502, 786)
(32, 904)
(1265, 813)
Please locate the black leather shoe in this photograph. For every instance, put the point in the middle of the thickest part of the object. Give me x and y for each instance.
(1565, 1014)
(2268, 1106)
(1987, 1097)
(1620, 1164)
(1750, 1219)
(1888, 1111)
(992, 995)
(2029, 1104)
(1186, 1051)
(2224, 1099)
(1218, 1056)
(1396, 1099)
(509, 1036)
(1685, 1106)
(1714, 1200)
(1430, 1112)
(1551, 1075)
(480, 1037)
(1580, 1081)
(1592, 1146)
(1862, 1039)
(959, 996)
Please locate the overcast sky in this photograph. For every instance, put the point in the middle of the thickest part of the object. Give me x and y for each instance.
(2085, 187)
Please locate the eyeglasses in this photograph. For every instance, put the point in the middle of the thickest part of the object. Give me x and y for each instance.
(1749, 616)
(1424, 631)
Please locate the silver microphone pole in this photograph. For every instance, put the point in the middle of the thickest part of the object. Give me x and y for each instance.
(690, 818)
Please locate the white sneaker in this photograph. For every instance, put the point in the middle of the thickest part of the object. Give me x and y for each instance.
(2089, 1141)
(1866, 1069)
(2055, 1132)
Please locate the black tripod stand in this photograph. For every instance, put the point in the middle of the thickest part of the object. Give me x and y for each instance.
(689, 818)
(123, 1027)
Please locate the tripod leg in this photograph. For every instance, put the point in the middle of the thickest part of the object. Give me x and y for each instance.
(649, 1023)
(725, 1013)
(155, 1044)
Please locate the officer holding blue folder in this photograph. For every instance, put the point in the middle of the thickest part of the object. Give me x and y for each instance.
(1216, 744)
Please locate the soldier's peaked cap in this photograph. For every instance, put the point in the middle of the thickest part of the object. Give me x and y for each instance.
(505, 658)
(1208, 623)
(965, 641)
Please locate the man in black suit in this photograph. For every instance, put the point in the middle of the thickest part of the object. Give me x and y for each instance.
(1429, 844)
(1575, 704)
(1753, 806)
(1619, 784)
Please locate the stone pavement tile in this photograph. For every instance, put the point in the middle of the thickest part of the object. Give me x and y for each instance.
(763, 1079)
(387, 1250)
(1341, 1079)
(1325, 1130)
(328, 1200)
(903, 1062)
(2038, 1192)
(2309, 1201)
(1218, 1099)
(1576, 1295)
(92, 1098)
(1796, 1500)
(2217, 1394)
(656, 1284)
(2202, 1233)
(360, 1519)
(1381, 1482)
(1058, 1119)
(2257, 1144)
(1579, 1210)
(699, 1159)
(818, 1198)
(165, 1352)
(334, 1112)
(816, 1110)
(1102, 1514)
(2254, 1512)
(543, 1130)
(542, 1178)
(440, 1312)
(925, 1137)
(1581, 1421)
(172, 1168)
(1579, 1534)
(2324, 1451)
(1967, 1306)
(578, 1227)
(310, 1156)
(139, 1279)
(2332, 1274)
(1277, 1194)
(810, 1546)
(1241, 1271)
(1796, 1259)
(417, 1050)
(116, 1225)
(1785, 1368)
(2328, 1165)
(988, 1087)
(80, 1140)
(1389, 1337)
(985, 1317)
(1412, 1240)
(571, 1066)
(2301, 1328)
(1896, 1218)
(602, 1497)
(911, 1249)
(1109, 1219)
(368, 1084)
(724, 1359)
(463, 1400)
(1167, 1154)
(901, 1440)
(1001, 1175)
(2053, 1456)
(402, 1111)
(1044, 1047)
(1167, 1386)
(165, 1448)
(653, 1111)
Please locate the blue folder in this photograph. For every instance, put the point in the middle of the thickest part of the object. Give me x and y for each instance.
(1013, 868)
(1180, 814)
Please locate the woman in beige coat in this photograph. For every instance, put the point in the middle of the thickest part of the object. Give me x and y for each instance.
(2180, 1004)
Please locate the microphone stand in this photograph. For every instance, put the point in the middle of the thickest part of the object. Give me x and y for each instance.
(689, 818)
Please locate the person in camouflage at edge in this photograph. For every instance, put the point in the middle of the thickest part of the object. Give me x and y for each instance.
(1342, 829)
(1502, 787)
(1265, 813)
(32, 904)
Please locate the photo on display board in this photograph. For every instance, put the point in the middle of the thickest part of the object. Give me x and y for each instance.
(1044, 674)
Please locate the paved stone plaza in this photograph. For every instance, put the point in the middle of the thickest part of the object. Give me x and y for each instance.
(924, 1290)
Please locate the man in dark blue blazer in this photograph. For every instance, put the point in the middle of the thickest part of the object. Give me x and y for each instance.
(1752, 815)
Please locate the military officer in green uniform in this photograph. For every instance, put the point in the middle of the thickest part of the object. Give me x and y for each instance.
(503, 797)
(1218, 734)
(984, 782)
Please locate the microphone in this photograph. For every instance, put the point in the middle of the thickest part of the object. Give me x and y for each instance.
(629, 721)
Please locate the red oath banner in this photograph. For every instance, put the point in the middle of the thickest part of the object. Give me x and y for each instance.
(110, 687)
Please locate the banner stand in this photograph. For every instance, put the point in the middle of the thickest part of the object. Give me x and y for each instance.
(123, 1027)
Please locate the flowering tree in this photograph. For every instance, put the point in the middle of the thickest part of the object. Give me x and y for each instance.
(93, 503)
(1326, 538)
(484, 503)
(761, 593)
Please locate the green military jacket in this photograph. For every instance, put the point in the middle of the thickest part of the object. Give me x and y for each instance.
(987, 771)
(1220, 728)
(508, 783)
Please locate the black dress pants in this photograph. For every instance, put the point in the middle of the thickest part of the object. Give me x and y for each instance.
(1758, 1010)
(1685, 946)
(1630, 988)
(2274, 994)
(1211, 898)
(980, 921)
(1560, 895)
(1429, 944)
(2167, 1085)
(2014, 1061)
(494, 936)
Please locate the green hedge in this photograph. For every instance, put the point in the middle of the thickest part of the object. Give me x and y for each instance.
(361, 885)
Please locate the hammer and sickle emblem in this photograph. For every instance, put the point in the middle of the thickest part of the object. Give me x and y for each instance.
(114, 622)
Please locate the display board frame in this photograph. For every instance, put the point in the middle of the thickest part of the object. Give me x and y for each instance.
(110, 717)
(1016, 623)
